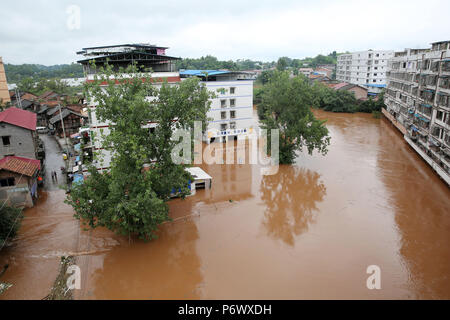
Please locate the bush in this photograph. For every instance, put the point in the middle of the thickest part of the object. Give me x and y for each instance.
(9, 222)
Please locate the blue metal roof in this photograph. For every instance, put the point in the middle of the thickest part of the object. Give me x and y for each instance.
(202, 73)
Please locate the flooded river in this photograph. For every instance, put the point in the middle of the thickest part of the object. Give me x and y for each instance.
(308, 232)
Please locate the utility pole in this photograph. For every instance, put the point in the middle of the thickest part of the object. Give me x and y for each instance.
(64, 130)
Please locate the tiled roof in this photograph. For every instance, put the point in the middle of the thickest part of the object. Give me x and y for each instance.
(338, 86)
(19, 117)
(25, 166)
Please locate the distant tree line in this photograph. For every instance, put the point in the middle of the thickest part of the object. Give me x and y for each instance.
(16, 73)
(43, 85)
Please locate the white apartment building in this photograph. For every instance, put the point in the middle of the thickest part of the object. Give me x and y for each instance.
(232, 109)
(418, 102)
(231, 112)
(365, 68)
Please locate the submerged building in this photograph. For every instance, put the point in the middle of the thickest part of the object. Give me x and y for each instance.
(417, 102)
(365, 68)
(231, 110)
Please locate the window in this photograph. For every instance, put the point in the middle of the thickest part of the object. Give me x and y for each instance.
(376, 68)
(376, 61)
(223, 115)
(232, 125)
(232, 90)
(8, 182)
(375, 74)
(6, 141)
(223, 126)
(232, 102)
(439, 115)
(151, 130)
(232, 114)
(223, 103)
(377, 55)
(374, 80)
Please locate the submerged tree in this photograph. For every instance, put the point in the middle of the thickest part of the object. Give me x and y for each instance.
(285, 106)
(128, 199)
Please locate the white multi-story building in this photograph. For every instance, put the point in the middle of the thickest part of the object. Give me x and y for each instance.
(418, 102)
(231, 111)
(145, 56)
(365, 68)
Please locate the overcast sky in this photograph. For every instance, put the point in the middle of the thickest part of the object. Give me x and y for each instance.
(48, 32)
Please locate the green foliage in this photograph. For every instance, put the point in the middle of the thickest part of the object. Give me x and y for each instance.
(9, 222)
(329, 99)
(128, 199)
(282, 63)
(207, 63)
(286, 106)
(43, 85)
(265, 75)
(16, 73)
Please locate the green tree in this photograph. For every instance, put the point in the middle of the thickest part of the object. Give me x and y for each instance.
(9, 222)
(282, 64)
(286, 106)
(128, 199)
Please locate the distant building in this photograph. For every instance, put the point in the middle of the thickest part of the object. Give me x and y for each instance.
(18, 133)
(366, 68)
(4, 93)
(325, 71)
(306, 71)
(418, 102)
(232, 110)
(319, 77)
(72, 121)
(360, 92)
(19, 180)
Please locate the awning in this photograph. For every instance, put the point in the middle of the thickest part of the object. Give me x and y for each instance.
(78, 178)
(426, 105)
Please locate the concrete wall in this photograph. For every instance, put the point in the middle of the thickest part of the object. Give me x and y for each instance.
(22, 142)
(18, 195)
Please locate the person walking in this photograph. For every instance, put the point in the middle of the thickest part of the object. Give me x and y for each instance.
(56, 176)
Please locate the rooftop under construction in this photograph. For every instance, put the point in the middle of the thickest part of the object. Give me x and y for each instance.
(145, 56)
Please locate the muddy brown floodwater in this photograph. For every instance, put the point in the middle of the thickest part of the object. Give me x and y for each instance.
(308, 232)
